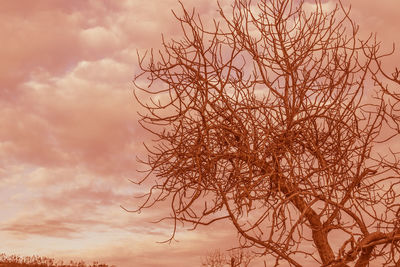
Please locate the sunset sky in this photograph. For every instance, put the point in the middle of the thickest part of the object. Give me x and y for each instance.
(69, 135)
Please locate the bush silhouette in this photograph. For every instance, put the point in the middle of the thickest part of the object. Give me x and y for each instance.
(38, 261)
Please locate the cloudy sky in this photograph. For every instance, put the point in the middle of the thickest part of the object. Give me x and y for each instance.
(69, 135)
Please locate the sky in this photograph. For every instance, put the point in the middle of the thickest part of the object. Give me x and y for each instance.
(69, 135)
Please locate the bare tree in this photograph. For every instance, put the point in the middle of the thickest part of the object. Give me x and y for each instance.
(236, 258)
(214, 259)
(280, 120)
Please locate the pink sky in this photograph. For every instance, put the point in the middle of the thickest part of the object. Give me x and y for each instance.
(69, 136)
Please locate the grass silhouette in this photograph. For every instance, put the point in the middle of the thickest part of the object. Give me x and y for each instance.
(39, 261)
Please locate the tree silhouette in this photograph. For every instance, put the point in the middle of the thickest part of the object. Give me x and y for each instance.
(280, 120)
(235, 258)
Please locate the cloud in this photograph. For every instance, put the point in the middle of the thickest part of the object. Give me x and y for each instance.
(45, 228)
(45, 224)
(73, 120)
(53, 36)
(72, 202)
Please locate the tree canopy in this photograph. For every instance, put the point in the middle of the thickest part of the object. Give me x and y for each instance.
(279, 119)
